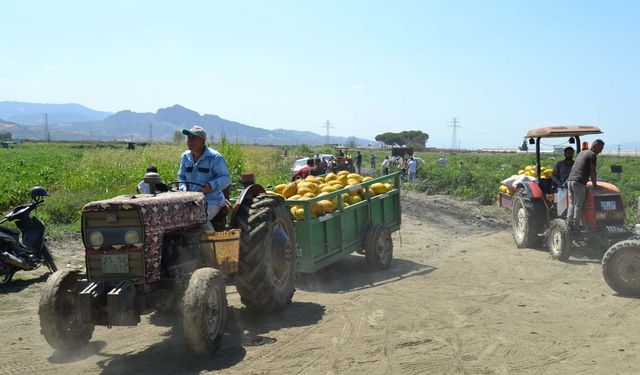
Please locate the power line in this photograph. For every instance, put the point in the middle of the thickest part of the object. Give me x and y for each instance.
(47, 135)
(455, 126)
(327, 126)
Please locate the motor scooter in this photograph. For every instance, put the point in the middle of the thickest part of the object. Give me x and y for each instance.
(30, 253)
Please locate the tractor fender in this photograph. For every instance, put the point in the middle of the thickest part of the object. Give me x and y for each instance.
(532, 189)
(248, 193)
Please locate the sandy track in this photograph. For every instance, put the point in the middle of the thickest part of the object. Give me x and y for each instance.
(458, 299)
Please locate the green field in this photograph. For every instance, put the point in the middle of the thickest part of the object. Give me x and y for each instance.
(77, 173)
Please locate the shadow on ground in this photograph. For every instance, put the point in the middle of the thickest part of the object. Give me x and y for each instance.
(16, 286)
(352, 273)
(170, 356)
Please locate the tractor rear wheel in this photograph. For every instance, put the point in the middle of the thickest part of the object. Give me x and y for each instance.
(267, 254)
(59, 313)
(378, 247)
(204, 311)
(559, 240)
(621, 267)
(527, 220)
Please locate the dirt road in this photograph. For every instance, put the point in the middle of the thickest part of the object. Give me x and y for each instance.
(458, 299)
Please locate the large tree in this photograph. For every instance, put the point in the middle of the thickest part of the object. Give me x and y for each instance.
(410, 138)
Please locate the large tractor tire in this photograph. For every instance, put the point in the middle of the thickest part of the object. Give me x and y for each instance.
(378, 247)
(204, 311)
(267, 254)
(59, 313)
(527, 220)
(559, 240)
(621, 267)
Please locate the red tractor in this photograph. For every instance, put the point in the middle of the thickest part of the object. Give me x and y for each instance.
(534, 205)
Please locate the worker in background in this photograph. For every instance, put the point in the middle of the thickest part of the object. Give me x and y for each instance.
(372, 160)
(442, 162)
(412, 168)
(385, 165)
(359, 162)
(304, 172)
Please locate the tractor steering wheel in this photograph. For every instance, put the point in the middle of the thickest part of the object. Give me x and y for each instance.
(173, 185)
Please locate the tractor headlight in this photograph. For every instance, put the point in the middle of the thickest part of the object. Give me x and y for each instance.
(96, 239)
(131, 237)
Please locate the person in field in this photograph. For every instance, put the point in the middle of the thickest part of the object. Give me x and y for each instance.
(386, 163)
(412, 167)
(583, 169)
(359, 162)
(206, 167)
(304, 172)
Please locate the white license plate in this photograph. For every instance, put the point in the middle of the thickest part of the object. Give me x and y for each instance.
(608, 205)
(115, 263)
(616, 230)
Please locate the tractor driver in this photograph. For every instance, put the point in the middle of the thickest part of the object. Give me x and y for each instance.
(583, 169)
(563, 168)
(205, 166)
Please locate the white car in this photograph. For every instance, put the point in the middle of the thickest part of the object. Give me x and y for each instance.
(303, 161)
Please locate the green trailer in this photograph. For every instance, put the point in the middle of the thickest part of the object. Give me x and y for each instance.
(364, 227)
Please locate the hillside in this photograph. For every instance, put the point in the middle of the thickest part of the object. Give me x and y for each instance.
(76, 122)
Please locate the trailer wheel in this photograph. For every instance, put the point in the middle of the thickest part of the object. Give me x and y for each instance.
(621, 267)
(59, 313)
(204, 311)
(527, 219)
(559, 241)
(267, 266)
(378, 247)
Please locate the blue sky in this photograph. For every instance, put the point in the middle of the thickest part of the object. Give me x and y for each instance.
(499, 67)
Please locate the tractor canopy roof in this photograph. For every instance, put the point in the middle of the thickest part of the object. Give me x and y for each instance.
(563, 131)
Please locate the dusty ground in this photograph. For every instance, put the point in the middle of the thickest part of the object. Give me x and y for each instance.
(458, 299)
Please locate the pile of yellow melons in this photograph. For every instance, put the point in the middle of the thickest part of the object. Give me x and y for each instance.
(316, 186)
(530, 170)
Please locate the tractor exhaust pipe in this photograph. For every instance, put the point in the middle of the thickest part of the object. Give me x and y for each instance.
(14, 261)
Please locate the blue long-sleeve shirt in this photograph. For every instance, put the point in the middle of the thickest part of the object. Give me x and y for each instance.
(211, 169)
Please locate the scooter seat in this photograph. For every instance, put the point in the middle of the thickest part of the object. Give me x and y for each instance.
(10, 235)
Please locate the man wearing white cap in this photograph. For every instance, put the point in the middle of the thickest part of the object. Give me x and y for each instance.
(205, 166)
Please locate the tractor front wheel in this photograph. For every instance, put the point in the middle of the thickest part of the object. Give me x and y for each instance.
(204, 310)
(526, 219)
(559, 240)
(59, 312)
(621, 267)
(267, 254)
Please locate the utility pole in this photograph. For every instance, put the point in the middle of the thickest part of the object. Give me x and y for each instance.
(327, 126)
(618, 150)
(47, 135)
(150, 133)
(455, 126)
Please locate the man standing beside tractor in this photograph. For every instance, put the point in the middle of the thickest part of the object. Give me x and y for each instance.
(583, 169)
(206, 167)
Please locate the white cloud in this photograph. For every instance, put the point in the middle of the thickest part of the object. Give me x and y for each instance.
(357, 87)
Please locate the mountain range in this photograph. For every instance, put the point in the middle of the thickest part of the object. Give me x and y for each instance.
(76, 122)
